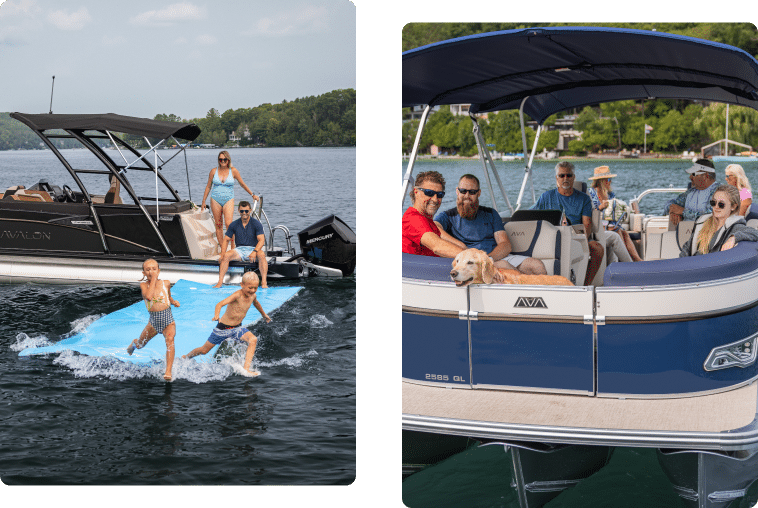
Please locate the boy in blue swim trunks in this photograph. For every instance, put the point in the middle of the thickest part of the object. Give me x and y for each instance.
(247, 233)
(230, 325)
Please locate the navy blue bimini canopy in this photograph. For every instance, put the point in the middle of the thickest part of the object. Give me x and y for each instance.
(567, 67)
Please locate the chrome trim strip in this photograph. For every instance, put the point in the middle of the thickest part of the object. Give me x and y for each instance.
(433, 313)
(738, 439)
(436, 384)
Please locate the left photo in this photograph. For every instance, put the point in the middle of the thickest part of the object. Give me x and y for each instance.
(178, 279)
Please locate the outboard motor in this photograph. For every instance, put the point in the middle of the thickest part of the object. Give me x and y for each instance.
(331, 243)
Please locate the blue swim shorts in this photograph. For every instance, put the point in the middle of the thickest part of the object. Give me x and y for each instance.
(223, 332)
(244, 251)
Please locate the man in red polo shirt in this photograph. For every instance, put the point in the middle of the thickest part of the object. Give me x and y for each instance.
(420, 234)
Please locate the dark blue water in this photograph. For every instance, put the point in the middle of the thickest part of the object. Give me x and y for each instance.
(480, 476)
(70, 419)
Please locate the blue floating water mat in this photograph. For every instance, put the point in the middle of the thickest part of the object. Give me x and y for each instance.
(110, 335)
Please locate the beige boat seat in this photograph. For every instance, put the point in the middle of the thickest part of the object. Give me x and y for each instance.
(112, 196)
(670, 242)
(550, 244)
(20, 194)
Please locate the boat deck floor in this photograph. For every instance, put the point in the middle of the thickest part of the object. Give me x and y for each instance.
(708, 413)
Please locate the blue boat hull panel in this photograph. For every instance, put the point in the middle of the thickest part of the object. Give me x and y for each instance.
(435, 349)
(550, 356)
(668, 358)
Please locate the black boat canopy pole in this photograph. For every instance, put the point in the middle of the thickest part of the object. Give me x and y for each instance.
(51, 96)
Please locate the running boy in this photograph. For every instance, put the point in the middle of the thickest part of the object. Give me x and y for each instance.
(157, 296)
(230, 324)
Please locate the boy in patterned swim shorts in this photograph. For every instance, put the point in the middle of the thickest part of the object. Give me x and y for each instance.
(230, 324)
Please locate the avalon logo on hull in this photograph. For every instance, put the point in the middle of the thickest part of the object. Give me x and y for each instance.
(26, 235)
(531, 302)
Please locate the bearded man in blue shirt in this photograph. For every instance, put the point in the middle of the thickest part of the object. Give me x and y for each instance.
(480, 227)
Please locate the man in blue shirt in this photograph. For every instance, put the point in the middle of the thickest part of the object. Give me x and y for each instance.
(577, 208)
(480, 227)
(248, 235)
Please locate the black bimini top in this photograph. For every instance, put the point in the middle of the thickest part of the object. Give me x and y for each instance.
(110, 122)
(566, 67)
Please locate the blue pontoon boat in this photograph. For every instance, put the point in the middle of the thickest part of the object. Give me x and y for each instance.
(659, 353)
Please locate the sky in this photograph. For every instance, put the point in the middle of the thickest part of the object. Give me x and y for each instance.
(145, 57)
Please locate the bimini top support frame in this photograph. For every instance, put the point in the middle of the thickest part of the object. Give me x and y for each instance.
(87, 128)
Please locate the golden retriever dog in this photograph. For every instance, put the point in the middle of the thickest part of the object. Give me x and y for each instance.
(473, 266)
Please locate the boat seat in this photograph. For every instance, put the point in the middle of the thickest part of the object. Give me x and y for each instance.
(669, 244)
(10, 191)
(29, 195)
(553, 245)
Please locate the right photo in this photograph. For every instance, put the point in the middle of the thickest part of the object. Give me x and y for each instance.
(579, 265)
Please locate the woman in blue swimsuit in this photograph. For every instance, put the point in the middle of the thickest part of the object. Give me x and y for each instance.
(221, 188)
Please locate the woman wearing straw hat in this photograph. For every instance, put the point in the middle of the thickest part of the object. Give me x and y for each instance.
(601, 195)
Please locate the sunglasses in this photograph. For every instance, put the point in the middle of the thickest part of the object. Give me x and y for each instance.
(430, 193)
(468, 191)
(221, 159)
(566, 175)
(244, 211)
(720, 204)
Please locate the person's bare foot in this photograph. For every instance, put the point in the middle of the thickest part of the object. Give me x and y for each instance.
(131, 347)
(218, 285)
(264, 285)
(254, 373)
(167, 376)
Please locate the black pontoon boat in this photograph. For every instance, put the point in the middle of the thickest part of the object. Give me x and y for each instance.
(55, 234)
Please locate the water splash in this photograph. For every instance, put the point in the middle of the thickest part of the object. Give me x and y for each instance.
(83, 366)
(319, 321)
(294, 361)
(23, 341)
(80, 325)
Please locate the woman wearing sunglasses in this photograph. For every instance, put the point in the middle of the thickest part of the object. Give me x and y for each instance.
(723, 228)
(221, 188)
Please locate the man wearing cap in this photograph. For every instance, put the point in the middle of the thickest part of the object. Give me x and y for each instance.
(421, 236)
(695, 201)
(577, 208)
(480, 227)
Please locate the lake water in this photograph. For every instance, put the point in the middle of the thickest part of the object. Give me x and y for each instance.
(481, 476)
(69, 419)
(633, 177)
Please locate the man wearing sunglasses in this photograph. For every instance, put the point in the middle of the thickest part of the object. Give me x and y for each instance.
(480, 227)
(421, 235)
(577, 208)
(247, 233)
(695, 201)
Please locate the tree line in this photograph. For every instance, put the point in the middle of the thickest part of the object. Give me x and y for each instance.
(678, 125)
(324, 120)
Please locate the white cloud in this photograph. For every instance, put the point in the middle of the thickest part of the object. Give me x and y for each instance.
(171, 14)
(307, 20)
(19, 8)
(73, 21)
(20, 22)
(206, 40)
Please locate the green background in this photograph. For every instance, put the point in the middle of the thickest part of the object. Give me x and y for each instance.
(378, 479)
